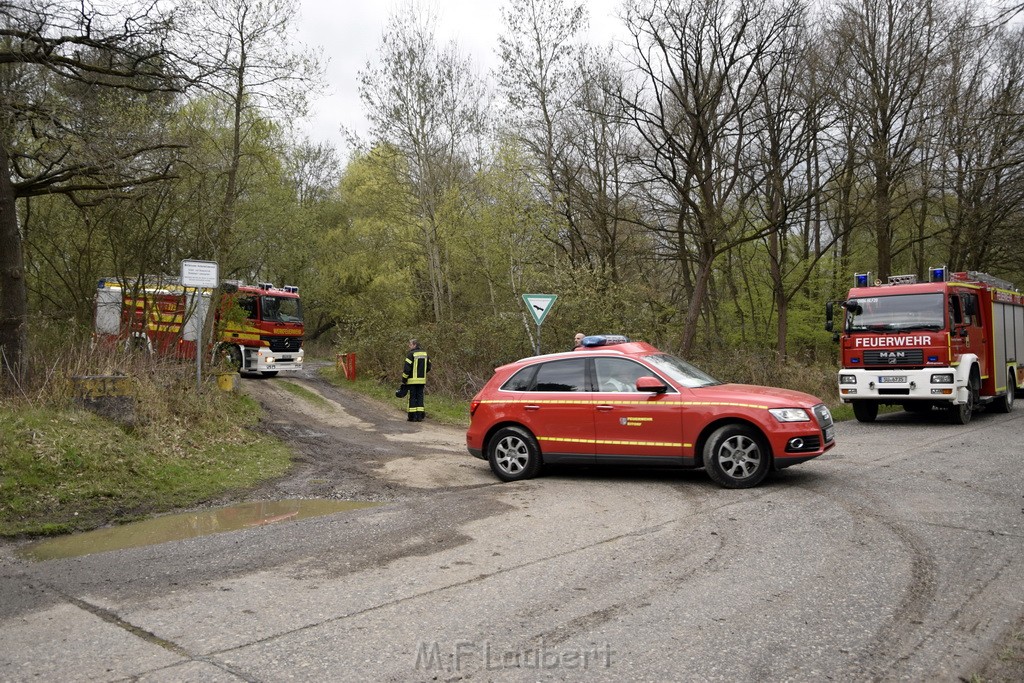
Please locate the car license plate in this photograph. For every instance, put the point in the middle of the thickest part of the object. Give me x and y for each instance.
(829, 434)
(892, 379)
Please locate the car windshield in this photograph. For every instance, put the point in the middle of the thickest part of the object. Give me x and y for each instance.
(282, 309)
(680, 371)
(896, 312)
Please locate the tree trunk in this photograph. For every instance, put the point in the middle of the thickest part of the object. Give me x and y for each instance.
(13, 289)
(700, 290)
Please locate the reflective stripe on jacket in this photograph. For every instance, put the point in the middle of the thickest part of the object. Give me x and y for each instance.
(417, 365)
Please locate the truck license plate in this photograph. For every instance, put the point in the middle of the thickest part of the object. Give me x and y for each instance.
(892, 379)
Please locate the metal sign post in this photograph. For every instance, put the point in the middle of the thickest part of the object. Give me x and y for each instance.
(200, 275)
(539, 305)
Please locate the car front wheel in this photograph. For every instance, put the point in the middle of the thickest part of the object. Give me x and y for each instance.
(735, 457)
(513, 454)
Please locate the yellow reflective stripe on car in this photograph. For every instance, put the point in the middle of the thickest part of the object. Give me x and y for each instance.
(604, 442)
(629, 403)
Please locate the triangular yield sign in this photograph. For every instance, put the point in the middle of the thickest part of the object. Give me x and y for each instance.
(539, 305)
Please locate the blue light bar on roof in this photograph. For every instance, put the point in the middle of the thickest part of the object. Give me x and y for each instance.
(937, 274)
(604, 340)
(861, 279)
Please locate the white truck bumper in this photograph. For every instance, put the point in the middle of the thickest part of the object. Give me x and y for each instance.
(947, 385)
(262, 359)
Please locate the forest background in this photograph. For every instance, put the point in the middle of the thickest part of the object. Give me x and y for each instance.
(706, 185)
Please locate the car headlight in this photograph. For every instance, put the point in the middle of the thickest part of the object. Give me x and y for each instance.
(789, 414)
(847, 379)
(943, 378)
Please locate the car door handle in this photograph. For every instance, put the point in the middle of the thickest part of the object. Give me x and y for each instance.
(531, 406)
(605, 408)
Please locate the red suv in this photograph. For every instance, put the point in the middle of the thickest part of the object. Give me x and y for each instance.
(620, 402)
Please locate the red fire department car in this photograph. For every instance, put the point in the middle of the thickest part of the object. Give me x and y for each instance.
(620, 402)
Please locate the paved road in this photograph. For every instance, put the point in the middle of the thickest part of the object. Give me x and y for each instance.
(898, 555)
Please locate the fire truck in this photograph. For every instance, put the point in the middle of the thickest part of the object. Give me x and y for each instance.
(259, 327)
(953, 343)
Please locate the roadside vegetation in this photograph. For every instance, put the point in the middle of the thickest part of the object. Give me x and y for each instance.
(64, 468)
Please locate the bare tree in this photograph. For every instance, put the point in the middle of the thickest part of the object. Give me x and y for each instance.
(782, 150)
(426, 103)
(693, 106)
(57, 60)
(256, 70)
(981, 145)
(891, 50)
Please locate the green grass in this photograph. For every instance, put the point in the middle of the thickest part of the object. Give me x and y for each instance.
(65, 469)
(304, 393)
(440, 409)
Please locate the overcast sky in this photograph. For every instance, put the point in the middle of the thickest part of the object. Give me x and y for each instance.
(349, 32)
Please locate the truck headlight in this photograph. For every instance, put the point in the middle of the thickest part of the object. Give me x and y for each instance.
(847, 379)
(789, 414)
(943, 378)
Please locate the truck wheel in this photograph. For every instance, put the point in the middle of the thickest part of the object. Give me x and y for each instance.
(961, 414)
(735, 457)
(513, 454)
(865, 411)
(1004, 403)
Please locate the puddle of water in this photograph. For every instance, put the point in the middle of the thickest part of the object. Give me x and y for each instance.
(182, 526)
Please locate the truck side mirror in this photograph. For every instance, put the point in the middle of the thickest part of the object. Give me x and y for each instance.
(829, 312)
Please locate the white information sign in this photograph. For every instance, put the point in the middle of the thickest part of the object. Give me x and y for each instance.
(199, 274)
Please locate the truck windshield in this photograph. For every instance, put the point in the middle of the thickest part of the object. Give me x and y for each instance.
(281, 309)
(896, 312)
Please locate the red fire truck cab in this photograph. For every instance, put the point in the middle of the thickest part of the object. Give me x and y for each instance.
(259, 327)
(953, 343)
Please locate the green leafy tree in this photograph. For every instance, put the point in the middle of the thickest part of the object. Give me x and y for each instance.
(65, 71)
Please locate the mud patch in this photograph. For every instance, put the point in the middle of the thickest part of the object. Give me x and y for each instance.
(185, 525)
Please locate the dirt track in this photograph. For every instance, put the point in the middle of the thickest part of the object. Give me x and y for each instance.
(354, 448)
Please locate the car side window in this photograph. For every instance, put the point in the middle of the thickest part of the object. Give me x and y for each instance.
(562, 375)
(618, 374)
(521, 381)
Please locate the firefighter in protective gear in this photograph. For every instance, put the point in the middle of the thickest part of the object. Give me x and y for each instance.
(414, 376)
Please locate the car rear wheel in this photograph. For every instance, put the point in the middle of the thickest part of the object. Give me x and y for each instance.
(735, 457)
(513, 454)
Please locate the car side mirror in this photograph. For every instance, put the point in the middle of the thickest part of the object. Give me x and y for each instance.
(651, 384)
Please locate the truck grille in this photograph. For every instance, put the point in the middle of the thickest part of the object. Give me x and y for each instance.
(282, 344)
(894, 357)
